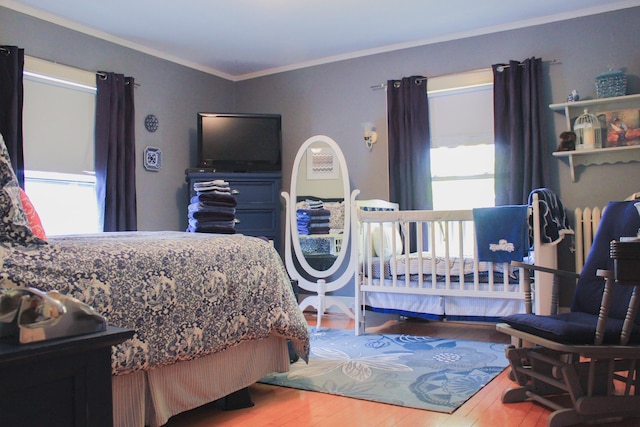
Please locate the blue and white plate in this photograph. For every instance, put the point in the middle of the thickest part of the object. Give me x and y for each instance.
(152, 158)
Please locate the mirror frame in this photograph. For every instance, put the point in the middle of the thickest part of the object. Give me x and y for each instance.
(295, 240)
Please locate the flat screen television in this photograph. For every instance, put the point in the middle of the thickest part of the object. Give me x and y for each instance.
(240, 142)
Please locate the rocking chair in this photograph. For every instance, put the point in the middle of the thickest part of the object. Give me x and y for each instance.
(585, 364)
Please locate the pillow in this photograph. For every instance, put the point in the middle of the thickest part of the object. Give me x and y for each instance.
(32, 216)
(389, 232)
(336, 220)
(14, 226)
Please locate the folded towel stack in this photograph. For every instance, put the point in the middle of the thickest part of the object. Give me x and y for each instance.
(313, 221)
(213, 208)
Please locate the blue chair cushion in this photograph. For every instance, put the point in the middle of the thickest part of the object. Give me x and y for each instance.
(569, 328)
(620, 219)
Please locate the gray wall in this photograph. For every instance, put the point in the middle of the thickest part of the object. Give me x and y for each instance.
(172, 92)
(334, 99)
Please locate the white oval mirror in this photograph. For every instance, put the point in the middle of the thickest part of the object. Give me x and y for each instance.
(320, 175)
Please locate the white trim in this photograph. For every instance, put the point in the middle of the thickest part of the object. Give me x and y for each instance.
(624, 4)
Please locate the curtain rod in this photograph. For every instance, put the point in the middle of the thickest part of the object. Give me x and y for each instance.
(476, 70)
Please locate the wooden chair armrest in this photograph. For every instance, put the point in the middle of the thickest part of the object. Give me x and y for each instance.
(563, 273)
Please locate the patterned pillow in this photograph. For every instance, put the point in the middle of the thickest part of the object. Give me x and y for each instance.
(14, 226)
(32, 216)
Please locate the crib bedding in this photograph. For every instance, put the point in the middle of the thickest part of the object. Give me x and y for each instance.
(185, 294)
(437, 301)
(439, 307)
(441, 283)
(427, 264)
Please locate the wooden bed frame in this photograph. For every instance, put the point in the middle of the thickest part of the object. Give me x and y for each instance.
(446, 286)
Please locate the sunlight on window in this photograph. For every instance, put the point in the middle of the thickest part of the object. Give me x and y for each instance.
(59, 123)
(66, 203)
(466, 172)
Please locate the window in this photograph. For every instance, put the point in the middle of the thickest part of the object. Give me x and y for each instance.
(59, 116)
(462, 146)
(462, 150)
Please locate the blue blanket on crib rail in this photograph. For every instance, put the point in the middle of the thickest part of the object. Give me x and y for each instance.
(553, 217)
(502, 233)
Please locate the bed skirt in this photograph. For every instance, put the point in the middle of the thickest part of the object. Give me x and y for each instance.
(150, 398)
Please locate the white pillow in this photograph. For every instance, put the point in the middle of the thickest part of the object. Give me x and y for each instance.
(389, 232)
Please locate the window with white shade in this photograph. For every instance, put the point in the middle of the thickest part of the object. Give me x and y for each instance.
(462, 141)
(462, 146)
(58, 126)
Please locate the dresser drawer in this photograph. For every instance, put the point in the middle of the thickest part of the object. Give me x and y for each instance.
(256, 220)
(247, 192)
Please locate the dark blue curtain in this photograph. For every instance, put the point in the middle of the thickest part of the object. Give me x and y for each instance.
(115, 151)
(11, 99)
(521, 152)
(409, 143)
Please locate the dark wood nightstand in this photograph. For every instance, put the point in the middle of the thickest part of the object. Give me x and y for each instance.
(61, 382)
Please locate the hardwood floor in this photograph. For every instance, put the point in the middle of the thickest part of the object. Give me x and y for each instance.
(280, 406)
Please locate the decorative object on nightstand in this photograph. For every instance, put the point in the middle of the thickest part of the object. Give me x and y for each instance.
(588, 131)
(151, 123)
(611, 83)
(30, 315)
(152, 158)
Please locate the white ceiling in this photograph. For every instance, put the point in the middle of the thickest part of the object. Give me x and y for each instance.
(241, 39)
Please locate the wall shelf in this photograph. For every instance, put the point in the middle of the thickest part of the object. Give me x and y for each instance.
(598, 156)
(572, 110)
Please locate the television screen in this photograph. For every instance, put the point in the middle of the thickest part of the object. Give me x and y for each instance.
(230, 142)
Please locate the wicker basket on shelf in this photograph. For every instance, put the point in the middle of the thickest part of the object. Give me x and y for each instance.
(610, 84)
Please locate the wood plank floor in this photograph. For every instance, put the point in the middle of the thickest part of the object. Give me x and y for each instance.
(280, 406)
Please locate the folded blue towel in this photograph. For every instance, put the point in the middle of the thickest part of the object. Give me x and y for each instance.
(502, 233)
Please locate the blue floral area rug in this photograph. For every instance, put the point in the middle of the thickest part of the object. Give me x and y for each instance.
(435, 374)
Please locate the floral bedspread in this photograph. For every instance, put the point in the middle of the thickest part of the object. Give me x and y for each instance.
(185, 294)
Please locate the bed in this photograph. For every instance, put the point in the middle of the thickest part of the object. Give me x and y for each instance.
(212, 314)
(441, 276)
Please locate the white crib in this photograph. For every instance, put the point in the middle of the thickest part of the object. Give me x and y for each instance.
(445, 282)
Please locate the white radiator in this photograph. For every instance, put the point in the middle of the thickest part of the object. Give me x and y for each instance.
(586, 224)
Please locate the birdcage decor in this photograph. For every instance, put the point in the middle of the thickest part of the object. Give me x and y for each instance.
(588, 131)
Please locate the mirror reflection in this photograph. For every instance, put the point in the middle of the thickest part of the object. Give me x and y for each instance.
(320, 206)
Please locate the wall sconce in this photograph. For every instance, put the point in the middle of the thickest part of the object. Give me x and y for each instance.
(370, 135)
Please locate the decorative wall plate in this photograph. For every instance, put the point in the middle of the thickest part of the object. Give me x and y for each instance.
(151, 123)
(152, 158)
